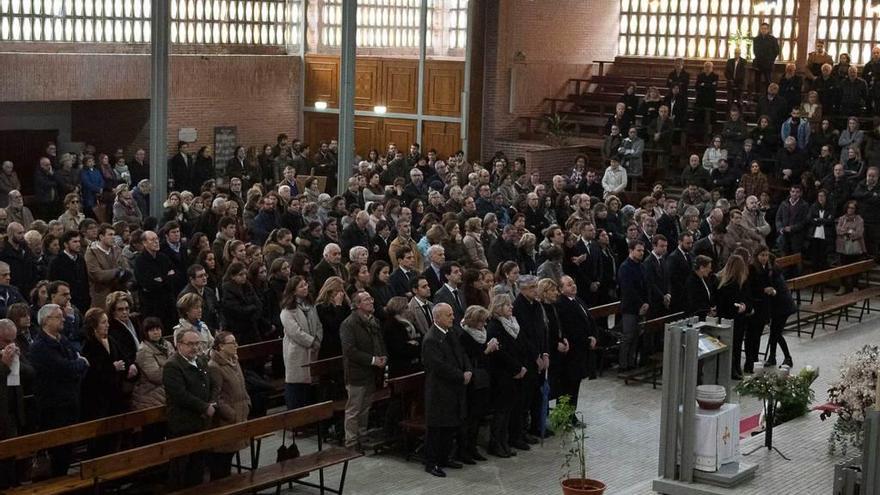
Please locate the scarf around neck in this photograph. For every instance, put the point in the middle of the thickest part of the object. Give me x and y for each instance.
(479, 335)
(511, 326)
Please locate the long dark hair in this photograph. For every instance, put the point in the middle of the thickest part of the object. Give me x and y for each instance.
(289, 299)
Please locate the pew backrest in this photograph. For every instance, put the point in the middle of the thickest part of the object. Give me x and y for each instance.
(605, 310)
(824, 276)
(161, 452)
(787, 261)
(259, 350)
(26, 445)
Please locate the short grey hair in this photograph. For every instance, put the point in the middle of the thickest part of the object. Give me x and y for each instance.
(434, 248)
(45, 311)
(438, 307)
(7, 325)
(357, 249)
(330, 247)
(178, 336)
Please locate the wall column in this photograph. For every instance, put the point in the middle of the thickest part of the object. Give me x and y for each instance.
(346, 94)
(160, 44)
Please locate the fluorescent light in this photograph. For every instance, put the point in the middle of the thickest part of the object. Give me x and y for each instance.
(321, 105)
(380, 109)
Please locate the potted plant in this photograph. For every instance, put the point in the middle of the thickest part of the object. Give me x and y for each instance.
(558, 129)
(574, 438)
(853, 396)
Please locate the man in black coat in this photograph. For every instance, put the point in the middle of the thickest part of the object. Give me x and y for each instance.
(735, 73)
(634, 304)
(669, 224)
(380, 243)
(330, 266)
(792, 218)
(189, 405)
(434, 272)
(21, 260)
(155, 274)
(585, 263)
(58, 369)
(712, 246)
(580, 336)
(70, 266)
(46, 183)
(181, 167)
(447, 374)
(659, 297)
(173, 248)
(766, 49)
(530, 316)
(679, 265)
(356, 234)
(504, 248)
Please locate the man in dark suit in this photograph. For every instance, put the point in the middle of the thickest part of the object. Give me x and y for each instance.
(402, 277)
(735, 73)
(678, 268)
(708, 224)
(181, 167)
(237, 167)
(356, 234)
(584, 263)
(678, 77)
(173, 248)
(16, 378)
(420, 305)
(70, 267)
(712, 247)
(792, 218)
(450, 292)
(766, 49)
(380, 243)
(190, 408)
(633, 302)
(669, 224)
(579, 336)
(434, 272)
(530, 316)
(330, 266)
(447, 374)
(154, 274)
(659, 297)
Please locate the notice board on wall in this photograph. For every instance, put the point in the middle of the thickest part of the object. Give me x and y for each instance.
(225, 142)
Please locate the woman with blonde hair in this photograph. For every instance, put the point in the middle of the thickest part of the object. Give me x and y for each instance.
(333, 307)
(480, 349)
(734, 303)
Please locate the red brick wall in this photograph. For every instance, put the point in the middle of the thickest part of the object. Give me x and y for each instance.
(258, 94)
(552, 42)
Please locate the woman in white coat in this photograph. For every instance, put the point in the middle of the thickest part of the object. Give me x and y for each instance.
(302, 341)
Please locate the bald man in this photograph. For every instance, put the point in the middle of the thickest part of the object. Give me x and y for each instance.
(447, 374)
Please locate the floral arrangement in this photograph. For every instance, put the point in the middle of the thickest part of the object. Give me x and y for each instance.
(853, 395)
(793, 393)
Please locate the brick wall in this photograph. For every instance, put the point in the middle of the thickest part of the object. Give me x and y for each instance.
(540, 40)
(258, 94)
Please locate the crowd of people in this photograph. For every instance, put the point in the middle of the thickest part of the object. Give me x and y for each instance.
(480, 274)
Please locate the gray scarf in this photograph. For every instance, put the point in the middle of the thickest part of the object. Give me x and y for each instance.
(479, 335)
(511, 326)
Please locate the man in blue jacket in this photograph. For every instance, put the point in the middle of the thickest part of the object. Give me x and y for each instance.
(633, 302)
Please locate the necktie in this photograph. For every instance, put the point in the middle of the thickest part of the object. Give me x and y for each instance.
(455, 295)
(716, 250)
(427, 314)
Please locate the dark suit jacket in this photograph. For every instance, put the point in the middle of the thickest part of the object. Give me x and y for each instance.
(434, 281)
(181, 171)
(698, 300)
(187, 395)
(670, 227)
(324, 270)
(704, 247)
(577, 326)
(444, 295)
(399, 282)
(658, 283)
(737, 79)
(445, 363)
(678, 269)
(75, 274)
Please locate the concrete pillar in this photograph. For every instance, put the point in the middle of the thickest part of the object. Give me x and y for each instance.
(346, 93)
(160, 43)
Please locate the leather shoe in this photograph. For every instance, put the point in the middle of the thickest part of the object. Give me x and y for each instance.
(435, 471)
(531, 439)
(788, 362)
(521, 445)
(466, 460)
(479, 457)
(453, 465)
(498, 452)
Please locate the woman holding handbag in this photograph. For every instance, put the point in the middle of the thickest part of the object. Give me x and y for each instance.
(850, 242)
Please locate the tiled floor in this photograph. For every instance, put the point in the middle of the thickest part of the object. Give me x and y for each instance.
(623, 445)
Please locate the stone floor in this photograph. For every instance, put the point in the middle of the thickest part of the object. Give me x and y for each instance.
(623, 445)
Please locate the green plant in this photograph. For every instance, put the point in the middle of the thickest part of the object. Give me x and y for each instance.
(793, 393)
(558, 129)
(573, 434)
(742, 40)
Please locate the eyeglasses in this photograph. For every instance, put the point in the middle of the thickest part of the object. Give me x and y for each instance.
(233, 343)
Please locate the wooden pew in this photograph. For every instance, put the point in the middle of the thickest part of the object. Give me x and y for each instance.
(654, 370)
(260, 350)
(789, 261)
(26, 445)
(839, 305)
(99, 469)
(410, 391)
(602, 351)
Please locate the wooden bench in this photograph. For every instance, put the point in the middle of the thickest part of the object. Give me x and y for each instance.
(654, 370)
(102, 468)
(27, 445)
(602, 351)
(789, 261)
(409, 390)
(816, 282)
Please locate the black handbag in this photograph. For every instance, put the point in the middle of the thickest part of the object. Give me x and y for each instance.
(286, 452)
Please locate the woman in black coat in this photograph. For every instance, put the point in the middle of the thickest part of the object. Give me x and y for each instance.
(242, 308)
(507, 368)
(700, 289)
(781, 307)
(479, 349)
(108, 373)
(402, 340)
(733, 302)
(762, 294)
(822, 219)
(333, 308)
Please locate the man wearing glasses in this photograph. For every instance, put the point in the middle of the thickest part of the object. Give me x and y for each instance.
(59, 370)
(190, 406)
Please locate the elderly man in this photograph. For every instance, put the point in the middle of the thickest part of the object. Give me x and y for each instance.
(9, 294)
(17, 211)
(356, 233)
(577, 340)
(20, 258)
(448, 371)
(416, 189)
(363, 359)
(16, 379)
(330, 266)
(59, 369)
(433, 273)
(190, 406)
(48, 200)
(155, 275)
(530, 315)
(753, 218)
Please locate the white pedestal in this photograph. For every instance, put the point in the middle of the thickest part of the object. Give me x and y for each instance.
(717, 437)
